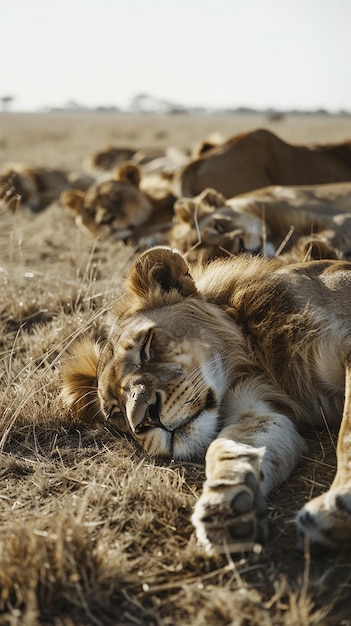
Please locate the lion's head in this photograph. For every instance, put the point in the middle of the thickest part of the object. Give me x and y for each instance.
(161, 374)
(108, 158)
(114, 206)
(207, 227)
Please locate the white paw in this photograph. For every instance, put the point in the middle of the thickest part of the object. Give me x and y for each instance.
(229, 515)
(325, 522)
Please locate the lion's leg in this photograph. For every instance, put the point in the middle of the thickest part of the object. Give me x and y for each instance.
(326, 520)
(246, 461)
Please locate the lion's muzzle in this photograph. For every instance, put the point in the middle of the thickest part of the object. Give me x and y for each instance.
(143, 407)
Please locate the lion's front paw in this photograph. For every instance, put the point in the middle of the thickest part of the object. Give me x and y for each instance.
(325, 522)
(229, 515)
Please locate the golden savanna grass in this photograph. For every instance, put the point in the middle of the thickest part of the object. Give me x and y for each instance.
(91, 532)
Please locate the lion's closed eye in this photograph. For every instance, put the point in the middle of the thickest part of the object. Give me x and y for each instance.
(145, 350)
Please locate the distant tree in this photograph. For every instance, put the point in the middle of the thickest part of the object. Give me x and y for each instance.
(6, 101)
(142, 103)
(73, 105)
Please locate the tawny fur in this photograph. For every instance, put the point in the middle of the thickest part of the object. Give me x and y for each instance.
(31, 186)
(79, 380)
(117, 207)
(260, 158)
(230, 360)
(295, 223)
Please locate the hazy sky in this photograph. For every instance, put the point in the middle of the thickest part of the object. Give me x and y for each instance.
(258, 53)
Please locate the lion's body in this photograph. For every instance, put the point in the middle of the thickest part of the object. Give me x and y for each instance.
(230, 361)
(32, 187)
(258, 159)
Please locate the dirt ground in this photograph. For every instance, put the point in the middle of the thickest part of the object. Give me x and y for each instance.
(91, 532)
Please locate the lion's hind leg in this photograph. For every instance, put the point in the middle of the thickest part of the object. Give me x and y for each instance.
(325, 522)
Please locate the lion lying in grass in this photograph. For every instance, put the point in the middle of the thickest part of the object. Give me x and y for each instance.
(315, 218)
(259, 158)
(29, 186)
(118, 207)
(231, 361)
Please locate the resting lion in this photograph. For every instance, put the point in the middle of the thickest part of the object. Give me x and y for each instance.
(265, 221)
(31, 187)
(231, 361)
(118, 207)
(258, 159)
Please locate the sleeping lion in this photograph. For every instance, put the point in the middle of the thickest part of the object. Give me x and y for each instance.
(228, 361)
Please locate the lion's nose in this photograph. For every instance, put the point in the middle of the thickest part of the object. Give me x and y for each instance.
(151, 418)
(143, 407)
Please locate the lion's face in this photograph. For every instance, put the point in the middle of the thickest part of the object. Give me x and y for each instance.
(163, 372)
(160, 374)
(207, 227)
(112, 204)
(116, 205)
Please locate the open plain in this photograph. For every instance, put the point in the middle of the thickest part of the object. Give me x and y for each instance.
(92, 532)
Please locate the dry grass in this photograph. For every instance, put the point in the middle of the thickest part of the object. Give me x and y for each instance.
(91, 531)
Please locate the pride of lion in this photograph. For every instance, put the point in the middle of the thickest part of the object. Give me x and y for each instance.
(234, 331)
(281, 195)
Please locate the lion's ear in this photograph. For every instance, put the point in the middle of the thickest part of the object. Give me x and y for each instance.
(316, 249)
(128, 172)
(184, 209)
(160, 270)
(72, 200)
(191, 211)
(79, 381)
(212, 198)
